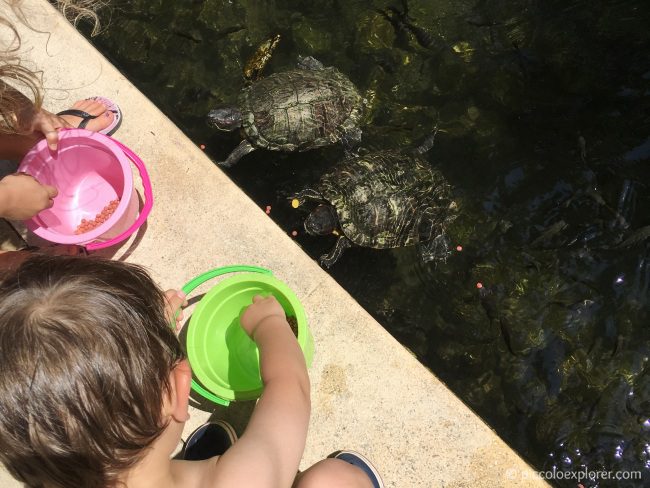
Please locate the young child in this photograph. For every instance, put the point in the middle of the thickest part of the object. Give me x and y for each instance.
(94, 389)
(23, 121)
(22, 196)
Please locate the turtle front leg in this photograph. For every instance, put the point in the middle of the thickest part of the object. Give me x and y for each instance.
(240, 151)
(351, 140)
(327, 260)
(434, 244)
(436, 249)
(428, 143)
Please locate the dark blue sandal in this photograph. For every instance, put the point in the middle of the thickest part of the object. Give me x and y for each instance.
(361, 462)
(209, 440)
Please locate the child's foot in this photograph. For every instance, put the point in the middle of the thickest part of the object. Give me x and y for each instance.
(210, 440)
(361, 462)
(96, 114)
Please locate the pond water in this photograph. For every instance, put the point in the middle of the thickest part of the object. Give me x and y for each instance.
(544, 111)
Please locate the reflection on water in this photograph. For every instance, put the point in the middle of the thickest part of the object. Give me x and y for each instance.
(540, 320)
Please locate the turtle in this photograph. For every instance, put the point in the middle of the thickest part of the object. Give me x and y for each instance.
(382, 199)
(296, 110)
(261, 56)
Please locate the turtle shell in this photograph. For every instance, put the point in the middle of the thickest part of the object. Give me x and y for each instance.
(381, 198)
(300, 109)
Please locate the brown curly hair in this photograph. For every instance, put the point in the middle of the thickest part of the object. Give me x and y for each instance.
(85, 353)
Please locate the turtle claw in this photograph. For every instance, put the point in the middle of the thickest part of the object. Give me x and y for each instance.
(436, 249)
(327, 260)
(243, 149)
(324, 262)
(428, 143)
(351, 140)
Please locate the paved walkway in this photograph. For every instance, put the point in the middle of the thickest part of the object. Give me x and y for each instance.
(369, 393)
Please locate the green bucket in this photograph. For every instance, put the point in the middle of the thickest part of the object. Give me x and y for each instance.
(223, 358)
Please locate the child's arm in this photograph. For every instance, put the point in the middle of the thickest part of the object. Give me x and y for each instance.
(15, 146)
(268, 453)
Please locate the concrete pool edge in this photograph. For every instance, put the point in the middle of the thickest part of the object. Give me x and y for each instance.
(368, 392)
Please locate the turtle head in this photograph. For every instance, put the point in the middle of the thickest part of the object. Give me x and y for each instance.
(225, 117)
(322, 221)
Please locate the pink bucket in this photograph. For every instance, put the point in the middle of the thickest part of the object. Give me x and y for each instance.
(90, 170)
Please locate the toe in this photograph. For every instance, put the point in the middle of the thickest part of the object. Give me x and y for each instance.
(104, 118)
(93, 107)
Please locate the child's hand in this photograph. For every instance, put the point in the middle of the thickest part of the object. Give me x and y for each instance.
(22, 196)
(261, 309)
(48, 124)
(174, 300)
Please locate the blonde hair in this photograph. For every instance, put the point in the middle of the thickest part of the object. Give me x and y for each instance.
(73, 10)
(77, 10)
(13, 75)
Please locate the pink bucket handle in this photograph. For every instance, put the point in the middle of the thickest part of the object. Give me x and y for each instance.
(146, 209)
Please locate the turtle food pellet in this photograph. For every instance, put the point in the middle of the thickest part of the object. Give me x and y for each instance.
(100, 218)
(294, 325)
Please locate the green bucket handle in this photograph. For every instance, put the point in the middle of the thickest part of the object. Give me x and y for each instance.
(191, 285)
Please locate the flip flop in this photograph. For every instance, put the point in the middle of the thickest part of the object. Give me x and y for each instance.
(86, 117)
